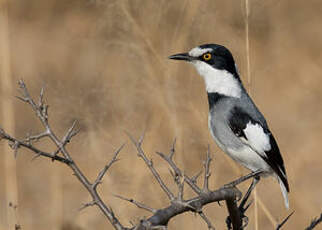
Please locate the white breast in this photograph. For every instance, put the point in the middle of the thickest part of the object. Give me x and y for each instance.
(218, 81)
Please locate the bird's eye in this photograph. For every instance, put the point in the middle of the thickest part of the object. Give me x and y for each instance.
(206, 56)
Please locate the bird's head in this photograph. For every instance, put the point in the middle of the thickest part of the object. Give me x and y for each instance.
(216, 65)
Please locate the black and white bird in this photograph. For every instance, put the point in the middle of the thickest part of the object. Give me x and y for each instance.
(235, 123)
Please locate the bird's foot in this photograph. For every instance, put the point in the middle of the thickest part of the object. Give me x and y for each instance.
(242, 211)
(244, 222)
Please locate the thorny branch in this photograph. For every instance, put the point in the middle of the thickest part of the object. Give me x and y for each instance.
(315, 222)
(41, 110)
(160, 217)
(204, 196)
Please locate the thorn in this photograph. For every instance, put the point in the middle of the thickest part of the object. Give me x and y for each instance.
(15, 146)
(86, 205)
(41, 97)
(35, 157)
(136, 203)
(162, 155)
(22, 98)
(16, 153)
(172, 150)
(142, 137)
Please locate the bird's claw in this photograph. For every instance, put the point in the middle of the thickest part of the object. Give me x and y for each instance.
(243, 217)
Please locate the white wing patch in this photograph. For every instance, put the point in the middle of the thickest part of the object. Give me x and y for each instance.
(257, 139)
(196, 52)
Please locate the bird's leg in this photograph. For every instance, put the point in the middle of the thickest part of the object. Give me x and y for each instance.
(241, 207)
(244, 178)
(249, 191)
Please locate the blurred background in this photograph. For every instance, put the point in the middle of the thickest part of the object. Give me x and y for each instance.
(105, 64)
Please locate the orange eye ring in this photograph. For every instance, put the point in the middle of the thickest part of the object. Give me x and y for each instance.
(206, 56)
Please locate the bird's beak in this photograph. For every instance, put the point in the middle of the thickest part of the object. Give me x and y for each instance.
(182, 56)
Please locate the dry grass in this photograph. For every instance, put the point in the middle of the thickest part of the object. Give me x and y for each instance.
(10, 193)
(106, 65)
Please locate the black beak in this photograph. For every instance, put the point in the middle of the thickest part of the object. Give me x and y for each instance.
(182, 56)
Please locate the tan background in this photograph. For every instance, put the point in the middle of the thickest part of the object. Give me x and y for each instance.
(105, 64)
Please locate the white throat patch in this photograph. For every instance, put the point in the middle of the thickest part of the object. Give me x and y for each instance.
(218, 81)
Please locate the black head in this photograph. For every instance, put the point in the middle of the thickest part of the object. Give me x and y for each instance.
(217, 56)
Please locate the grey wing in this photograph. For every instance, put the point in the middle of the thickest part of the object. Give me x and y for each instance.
(256, 135)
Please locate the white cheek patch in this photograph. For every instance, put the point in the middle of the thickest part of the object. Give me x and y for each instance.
(218, 81)
(197, 52)
(257, 138)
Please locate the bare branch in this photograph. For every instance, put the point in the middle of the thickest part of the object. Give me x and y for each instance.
(86, 205)
(138, 204)
(36, 137)
(71, 132)
(149, 163)
(41, 97)
(208, 222)
(41, 111)
(315, 222)
(33, 149)
(207, 171)
(178, 172)
(162, 216)
(107, 166)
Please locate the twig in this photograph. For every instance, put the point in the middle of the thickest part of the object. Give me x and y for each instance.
(41, 111)
(149, 163)
(208, 222)
(138, 204)
(36, 137)
(107, 166)
(38, 152)
(194, 204)
(207, 172)
(86, 205)
(315, 222)
(169, 160)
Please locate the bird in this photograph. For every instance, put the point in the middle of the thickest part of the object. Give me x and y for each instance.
(234, 121)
